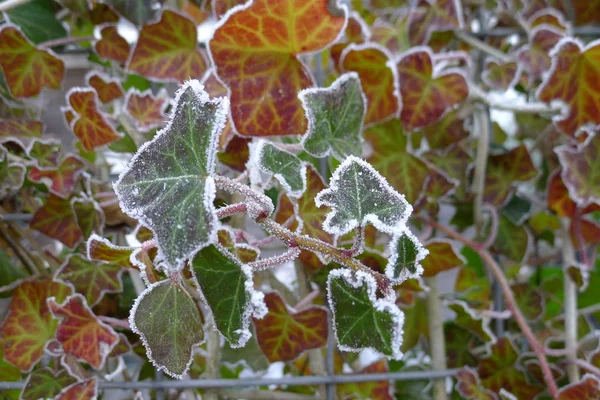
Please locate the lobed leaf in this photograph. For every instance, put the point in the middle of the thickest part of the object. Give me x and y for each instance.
(433, 16)
(146, 109)
(534, 57)
(442, 257)
(469, 386)
(26, 68)
(20, 131)
(57, 220)
(580, 172)
(588, 388)
(286, 167)
(226, 286)
(90, 217)
(100, 249)
(448, 130)
(503, 170)
(511, 240)
(62, 178)
(335, 118)
(360, 320)
(358, 195)
(168, 184)
(283, 334)
(501, 76)
(112, 46)
(80, 391)
(260, 67)
(406, 254)
(44, 383)
(108, 89)
(378, 390)
(46, 152)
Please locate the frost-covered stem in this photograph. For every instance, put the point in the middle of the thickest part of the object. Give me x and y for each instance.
(231, 209)
(482, 126)
(506, 314)
(115, 322)
(291, 147)
(530, 108)
(66, 40)
(484, 47)
(263, 395)
(232, 186)
(148, 244)
(587, 366)
(307, 300)
(570, 307)
(494, 230)
(511, 303)
(357, 242)
(555, 352)
(21, 253)
(10, 4)
(108, 203)
(437, 343)
(315, 356)
(270, 262)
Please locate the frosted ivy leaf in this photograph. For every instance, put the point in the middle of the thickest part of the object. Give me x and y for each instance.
(227, 288)
(360, 319)
(12, 175)
(168, 184)
(406, 253)
(288, 169)
(358, 194)
(335, 117)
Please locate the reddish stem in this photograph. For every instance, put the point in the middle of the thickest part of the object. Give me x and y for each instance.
(66, 40)
(115, 322)
(231, 209)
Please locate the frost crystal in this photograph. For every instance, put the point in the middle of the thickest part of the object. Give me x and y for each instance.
(358, 194)
(406, 252)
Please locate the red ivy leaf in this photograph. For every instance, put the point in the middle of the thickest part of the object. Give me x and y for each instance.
(501, 76)
(108, 89)
(89, 124)
(504, 170)
(357, 31)
(146, 109)
(255, 51)
(91, 279)
(112, 46)
(283, 335)
(29, 324)
(581, 170)
(62, 179)
(427, 96)
(215, 88)
(534, 56)
(559, 200)
(81, 333)
(586, 11)
(433, 16)
(572, 79)
(586, 389)
(27, 69)
(442, 257)
(20, 131)
(57, 220)
(379, 390)
(167, 50)
(220, 7)
(236, 153)
(103, 13)
(469, 386)
(101, 249)
(80, 391)
(89, 215)
(377, 78)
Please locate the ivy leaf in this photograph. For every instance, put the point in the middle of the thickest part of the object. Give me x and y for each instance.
(80, 391)
(9, 272)
(587, 388)
(501, 76)
(112, 46)
(468, 318)
(580, 171)
(560, 201)
(244, 252)
(469, 386)
(80, 332)
(89, 124)
(360, 320)
(20, 131)
(572, 80)
(261, 68)
(433, 16)
(37, 20)
(378, 390)
(102, 13)
(63, 178)
(529, 300)
(44, 383)
(12, 175)
(100, 249)
(283, 335)
(511, 240)
(108, 89)
(448, 130)
(169, 323)
(57, 220)
(358, 194)
(27, 69)
(288, 169)
(406, 253)
(378, 79)
(45, 151)
(89, 215)
(91, 279)
(335, 118)
(226, 286)
(146, 109)
(167, 50)
(534, 57)
(442, 257)
(499, 371)
(236, 153)
(404, 171)
(426, 95)
(29, 324)
(503, 170)
(168, 184)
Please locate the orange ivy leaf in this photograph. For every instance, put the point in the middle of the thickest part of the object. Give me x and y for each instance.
(146, 109)
(442, 257)
(112, 46)
(215, 88)
(80, 391)
(100, 249)
(108, 89)
(378, 390)
(378, 79)
(89, 124)
(357, 31)
(167, 50)
(20, 131)
(236, 153)
(27, 69)
(57, 220)
(29, 325)
(102, 13)
(586, 11)
(427, 96)
(501, 76)
(283, 335)
(255, 49)
(548, 16)
(81, 333)
(586, 389)
(581, 170)
(450, 129)
(584, 232)
(433, 16)
(559, 200)
(62, 179)
(504, 170)
(573, 80)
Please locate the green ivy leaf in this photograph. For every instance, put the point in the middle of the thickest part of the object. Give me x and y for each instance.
(406, 253)
(335, 117)
(226, 285)
(168, 184)
(44, 384)
(37, 20)
(288, 169)
(9, 272)
(511, 240)
(361, 320)
(358, 194)
(169, 323)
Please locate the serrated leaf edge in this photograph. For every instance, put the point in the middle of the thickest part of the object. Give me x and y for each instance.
(422, 252)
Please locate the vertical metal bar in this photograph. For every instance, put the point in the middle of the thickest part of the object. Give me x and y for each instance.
(160, 392)
(330, 361)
